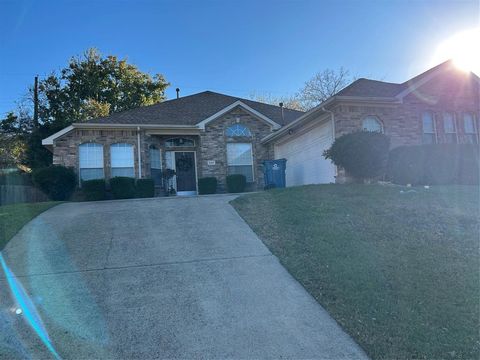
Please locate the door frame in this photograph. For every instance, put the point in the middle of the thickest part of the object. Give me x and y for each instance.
(184, 193)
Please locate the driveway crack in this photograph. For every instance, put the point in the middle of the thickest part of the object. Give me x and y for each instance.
(109, 249)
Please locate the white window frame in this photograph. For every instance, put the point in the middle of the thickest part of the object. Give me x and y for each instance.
(80, 167)
(474, 126)
(455, 131)
(159, 156)
(375, 118)
(237, 125)
(251, 158)
(434, 125)
(124, 145)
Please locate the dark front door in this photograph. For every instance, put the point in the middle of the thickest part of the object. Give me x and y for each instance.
(185, 171)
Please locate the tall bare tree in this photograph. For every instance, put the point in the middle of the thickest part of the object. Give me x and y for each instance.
(321, 86)
(317, 89)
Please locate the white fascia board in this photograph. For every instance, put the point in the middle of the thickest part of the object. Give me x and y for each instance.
(49, 140)
(225, 110)
(317, 110)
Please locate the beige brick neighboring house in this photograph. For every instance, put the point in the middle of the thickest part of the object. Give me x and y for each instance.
(441, 105)
(206, 134)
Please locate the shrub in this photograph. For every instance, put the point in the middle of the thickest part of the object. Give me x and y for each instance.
(236, 183)
(438, 164)
(57, 182)
(94, 190)
(362, 154)
(122, 187)
(207, 185)
(145, 188)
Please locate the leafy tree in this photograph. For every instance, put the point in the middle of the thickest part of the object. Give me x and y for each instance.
(94, 86)
(89, 86)
(13, 131)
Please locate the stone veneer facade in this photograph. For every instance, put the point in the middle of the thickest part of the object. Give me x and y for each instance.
(210, 144)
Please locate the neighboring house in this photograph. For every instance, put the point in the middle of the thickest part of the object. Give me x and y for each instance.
(441, 105)
(206, 134)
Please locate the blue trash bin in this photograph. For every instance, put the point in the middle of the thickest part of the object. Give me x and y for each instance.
(274, 173)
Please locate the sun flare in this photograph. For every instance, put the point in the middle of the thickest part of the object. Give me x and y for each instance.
(463, 48)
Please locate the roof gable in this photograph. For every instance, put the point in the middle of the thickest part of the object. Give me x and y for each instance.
(194, 109)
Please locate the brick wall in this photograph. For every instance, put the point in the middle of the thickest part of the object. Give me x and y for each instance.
(211, 144)
(403, 122)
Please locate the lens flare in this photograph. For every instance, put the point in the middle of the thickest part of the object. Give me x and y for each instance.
(26, 308)
(463, 48)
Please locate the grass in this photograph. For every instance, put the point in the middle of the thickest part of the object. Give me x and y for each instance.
(399, 271)
(13, 217)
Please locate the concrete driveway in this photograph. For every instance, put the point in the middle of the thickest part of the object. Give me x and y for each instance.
(156, 278)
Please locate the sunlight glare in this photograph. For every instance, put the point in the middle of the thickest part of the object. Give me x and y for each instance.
(463, 48)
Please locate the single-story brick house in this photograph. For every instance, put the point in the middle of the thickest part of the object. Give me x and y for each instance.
(205, 134)
(441, 105)
(211, 134)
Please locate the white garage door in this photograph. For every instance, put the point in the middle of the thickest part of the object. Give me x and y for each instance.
(305, 163)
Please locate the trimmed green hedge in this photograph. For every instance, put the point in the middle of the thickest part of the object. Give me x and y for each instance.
(207, 185)
(57, 182)
(145, 188)
(362, 154)
(437, 164)
(122, 187)
(94, 190)
(236, 183)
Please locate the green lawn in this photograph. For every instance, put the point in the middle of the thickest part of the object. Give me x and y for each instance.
(13, 217)
(398, 271)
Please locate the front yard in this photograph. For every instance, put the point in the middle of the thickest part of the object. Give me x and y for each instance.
(13, 217)
(398, 270)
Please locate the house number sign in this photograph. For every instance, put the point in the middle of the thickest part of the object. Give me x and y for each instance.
(211, 162)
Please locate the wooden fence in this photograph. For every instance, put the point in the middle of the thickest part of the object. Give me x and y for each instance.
(12, 194)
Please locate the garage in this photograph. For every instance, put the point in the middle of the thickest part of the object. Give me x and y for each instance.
(303, 151)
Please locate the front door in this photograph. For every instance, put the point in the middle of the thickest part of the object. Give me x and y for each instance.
(185, 171)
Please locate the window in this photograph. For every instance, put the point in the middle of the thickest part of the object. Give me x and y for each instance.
(240, 160)
(469, 128)
(449, 128)
(179, 142)
(238, 130)
(155, 165)
(121, 157)
(428, 126)
(91, 161)
(372, 124)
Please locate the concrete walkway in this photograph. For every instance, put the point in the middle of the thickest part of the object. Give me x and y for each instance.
(157, 278)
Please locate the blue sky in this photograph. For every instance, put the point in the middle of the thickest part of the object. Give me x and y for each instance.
(232, 46)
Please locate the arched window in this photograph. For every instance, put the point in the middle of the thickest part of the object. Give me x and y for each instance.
(155, 165)
(121, 158)
(179, 142)
(238, 130)
(372, 124)
(91, 161)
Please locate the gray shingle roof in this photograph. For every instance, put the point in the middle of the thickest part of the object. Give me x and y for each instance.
(190, 110)
(371, 88)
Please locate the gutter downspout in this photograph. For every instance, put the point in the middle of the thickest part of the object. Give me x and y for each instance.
(332, 115)
(139, 154)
